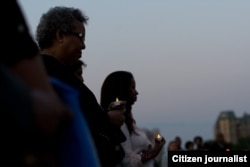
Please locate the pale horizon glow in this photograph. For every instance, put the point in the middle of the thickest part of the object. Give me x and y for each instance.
(190, 59)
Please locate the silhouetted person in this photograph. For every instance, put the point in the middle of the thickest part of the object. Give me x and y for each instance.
(189, 145)
(220, 144)
(31, 112)
(61, 37)
(140, 151)
(198, 141)
(178, 142)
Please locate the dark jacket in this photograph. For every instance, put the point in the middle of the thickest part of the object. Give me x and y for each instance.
(106, 141)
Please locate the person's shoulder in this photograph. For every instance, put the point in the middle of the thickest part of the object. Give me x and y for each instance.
(52, 64)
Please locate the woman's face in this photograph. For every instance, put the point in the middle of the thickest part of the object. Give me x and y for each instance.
(133, 92)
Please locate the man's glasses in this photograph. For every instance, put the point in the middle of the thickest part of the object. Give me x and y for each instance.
(78, 35)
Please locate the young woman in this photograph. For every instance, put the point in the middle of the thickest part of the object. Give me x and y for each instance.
(138, 148)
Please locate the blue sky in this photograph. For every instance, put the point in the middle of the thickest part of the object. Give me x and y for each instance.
(190, 58)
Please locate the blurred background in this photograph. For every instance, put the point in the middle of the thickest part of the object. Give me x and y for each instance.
(190, 59)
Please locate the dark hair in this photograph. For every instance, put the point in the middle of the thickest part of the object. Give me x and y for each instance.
(117, 85)
(198, 138)
(171, 142)
(57, 19)
(188, 143)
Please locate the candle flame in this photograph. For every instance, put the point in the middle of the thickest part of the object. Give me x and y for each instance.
(158, 136)
(116, 99)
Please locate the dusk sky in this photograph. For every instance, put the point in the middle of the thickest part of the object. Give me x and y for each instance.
(190, 58)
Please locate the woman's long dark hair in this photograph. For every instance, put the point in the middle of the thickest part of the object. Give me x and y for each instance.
(117, 85)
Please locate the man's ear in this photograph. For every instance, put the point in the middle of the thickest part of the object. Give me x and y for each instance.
(59, 36)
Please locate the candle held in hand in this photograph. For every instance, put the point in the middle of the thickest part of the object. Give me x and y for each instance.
(117, 102)
(116, 105)
(158, 137)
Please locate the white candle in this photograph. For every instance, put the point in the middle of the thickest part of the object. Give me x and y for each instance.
(158, 137)
(117, 102)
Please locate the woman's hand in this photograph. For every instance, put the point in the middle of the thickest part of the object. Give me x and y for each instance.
(158, 146)
(116, 113)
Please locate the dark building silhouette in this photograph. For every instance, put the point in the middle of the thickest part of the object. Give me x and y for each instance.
(233, 128)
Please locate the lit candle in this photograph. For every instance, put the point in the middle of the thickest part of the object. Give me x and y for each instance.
(158, 137)
(117, 102)
(116, 105)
